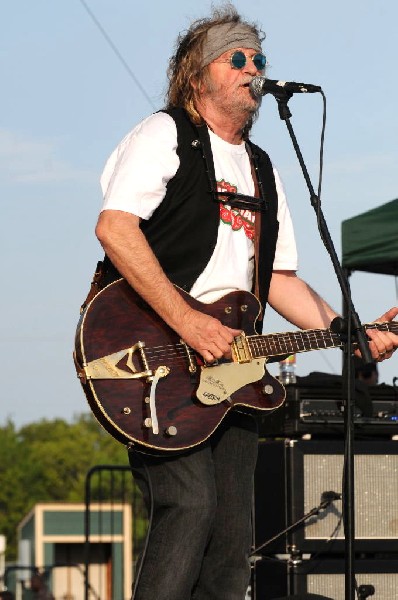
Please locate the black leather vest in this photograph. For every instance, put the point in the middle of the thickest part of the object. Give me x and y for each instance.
(182, 231)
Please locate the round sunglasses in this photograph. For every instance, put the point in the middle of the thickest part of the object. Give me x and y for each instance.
(238, 60)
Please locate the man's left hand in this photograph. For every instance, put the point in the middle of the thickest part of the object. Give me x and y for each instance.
(383, 343)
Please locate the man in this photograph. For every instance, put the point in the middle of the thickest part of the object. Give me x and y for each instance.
(161, 226)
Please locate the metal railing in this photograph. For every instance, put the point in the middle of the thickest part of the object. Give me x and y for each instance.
(108, 488)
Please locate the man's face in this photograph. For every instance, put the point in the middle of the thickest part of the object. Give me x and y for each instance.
(228, 86)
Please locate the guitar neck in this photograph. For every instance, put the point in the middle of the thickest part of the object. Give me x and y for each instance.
(277, 344)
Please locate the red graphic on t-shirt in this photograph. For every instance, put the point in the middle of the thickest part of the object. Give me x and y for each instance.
(236, 218)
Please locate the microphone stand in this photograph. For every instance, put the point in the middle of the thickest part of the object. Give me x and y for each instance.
(351, 329)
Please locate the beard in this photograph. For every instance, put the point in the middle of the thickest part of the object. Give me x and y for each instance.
(235, 100)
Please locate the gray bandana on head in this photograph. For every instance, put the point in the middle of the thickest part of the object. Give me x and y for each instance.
(221, 38)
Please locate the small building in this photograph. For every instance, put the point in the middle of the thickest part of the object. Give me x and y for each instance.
(53, 539)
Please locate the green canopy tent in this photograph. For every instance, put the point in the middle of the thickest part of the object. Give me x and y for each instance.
(370, 240)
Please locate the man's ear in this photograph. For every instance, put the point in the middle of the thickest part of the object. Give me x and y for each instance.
(199, 87)
(195, 84)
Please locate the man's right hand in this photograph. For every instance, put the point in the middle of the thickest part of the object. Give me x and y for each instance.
(207, 335)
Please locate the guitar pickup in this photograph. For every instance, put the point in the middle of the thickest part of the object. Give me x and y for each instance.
(240, 349)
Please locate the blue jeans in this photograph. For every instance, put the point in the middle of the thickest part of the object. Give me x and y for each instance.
(201, 530)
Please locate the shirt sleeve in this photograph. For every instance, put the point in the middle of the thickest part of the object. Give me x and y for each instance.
(136, 174)
(286, 258)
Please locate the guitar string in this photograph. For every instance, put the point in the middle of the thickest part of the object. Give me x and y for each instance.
(274, 344)
(272, 347)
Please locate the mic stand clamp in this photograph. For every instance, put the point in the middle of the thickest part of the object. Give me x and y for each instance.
(364, 591)
(353, 330)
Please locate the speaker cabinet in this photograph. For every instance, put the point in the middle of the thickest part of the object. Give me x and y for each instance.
(324, 578)
(290, 478)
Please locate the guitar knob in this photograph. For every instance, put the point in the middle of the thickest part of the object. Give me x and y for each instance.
(172, 430)
(148, 422)
(268, 389)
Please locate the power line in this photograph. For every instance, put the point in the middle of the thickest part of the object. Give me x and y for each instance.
(118, 54)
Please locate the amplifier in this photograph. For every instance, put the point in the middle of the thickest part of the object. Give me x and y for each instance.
(292, 475)
(319, 410)
(324, 577)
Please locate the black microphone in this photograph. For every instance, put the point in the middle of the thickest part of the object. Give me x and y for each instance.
(329, 497)
(261, 85)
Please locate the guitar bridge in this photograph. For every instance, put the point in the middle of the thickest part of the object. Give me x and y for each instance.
(108, 367)
(240, 349)
(192, 366)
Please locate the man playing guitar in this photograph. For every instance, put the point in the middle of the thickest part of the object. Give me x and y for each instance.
(191, 203)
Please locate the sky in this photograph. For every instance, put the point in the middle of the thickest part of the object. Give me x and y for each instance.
(77, 75)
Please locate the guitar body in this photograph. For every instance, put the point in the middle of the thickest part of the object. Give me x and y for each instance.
(117, 319)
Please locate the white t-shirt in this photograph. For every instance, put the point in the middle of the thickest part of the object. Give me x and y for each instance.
(135, 179)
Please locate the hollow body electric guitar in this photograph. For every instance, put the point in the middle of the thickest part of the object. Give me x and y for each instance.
(146, 387)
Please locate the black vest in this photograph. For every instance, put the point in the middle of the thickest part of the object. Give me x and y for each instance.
(182, 231)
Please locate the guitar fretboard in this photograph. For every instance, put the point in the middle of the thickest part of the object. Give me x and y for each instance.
(275, 344)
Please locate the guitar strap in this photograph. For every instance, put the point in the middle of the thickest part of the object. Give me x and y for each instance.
(257, 224)
(96, 285)
(258, 193)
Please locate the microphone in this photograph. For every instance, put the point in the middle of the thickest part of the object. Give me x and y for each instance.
(261, 85)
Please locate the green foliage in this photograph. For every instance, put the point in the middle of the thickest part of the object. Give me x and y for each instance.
(48, 461)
